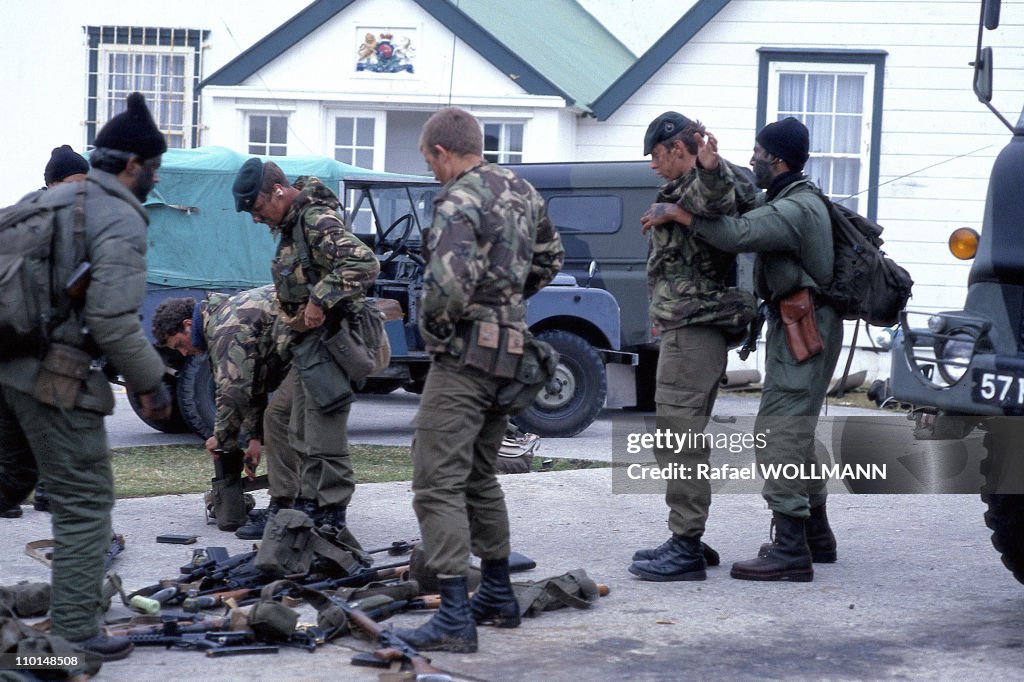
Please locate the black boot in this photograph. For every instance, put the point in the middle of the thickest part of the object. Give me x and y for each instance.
(682, 560)
(9, 511)
(253, 530)
(106, 647)
(452, 627)
(332, 515)
(41, 499)
(310, 508)
(820, 539)
(788, 556)
(711, 557)
(495, 602)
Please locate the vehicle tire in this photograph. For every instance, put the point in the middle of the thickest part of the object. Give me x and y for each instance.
(197, 395)
(573, 399)
(174, 423)
(1005, 515)
(1005, 518)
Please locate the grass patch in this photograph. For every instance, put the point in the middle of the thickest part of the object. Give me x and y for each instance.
(174, 469)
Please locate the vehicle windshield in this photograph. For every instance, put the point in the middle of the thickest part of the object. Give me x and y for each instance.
(376, 208)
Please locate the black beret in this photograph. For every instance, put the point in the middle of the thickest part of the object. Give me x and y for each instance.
(133, 130)
(247, 184)
(787, 139)
(64, 161)
(669, 124)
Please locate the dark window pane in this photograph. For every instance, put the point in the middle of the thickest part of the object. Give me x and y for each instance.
(257, 129)
(599, 213)
(515, 138)
(343, 131)
(364, 158)
(279, 129)
(364, 132)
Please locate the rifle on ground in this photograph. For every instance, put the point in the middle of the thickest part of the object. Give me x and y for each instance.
(116, 547)
(389, 646)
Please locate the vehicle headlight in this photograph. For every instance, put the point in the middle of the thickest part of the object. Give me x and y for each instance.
(954, 355)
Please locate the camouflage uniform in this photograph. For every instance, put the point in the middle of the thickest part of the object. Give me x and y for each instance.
(341, 268)
(490, 247)
(792, 236)
(68, 448)
(699, 314)
(249, 352)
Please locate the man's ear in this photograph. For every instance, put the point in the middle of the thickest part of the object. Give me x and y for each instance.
(187, 325)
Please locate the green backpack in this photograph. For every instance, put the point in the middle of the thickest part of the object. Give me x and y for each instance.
(31, 303)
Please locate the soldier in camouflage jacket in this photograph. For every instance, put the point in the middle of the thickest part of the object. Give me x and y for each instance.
(699, 313)
(321, 272)
(490, 246)
(249, 351)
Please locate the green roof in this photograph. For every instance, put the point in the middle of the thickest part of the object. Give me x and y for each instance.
(582, 61)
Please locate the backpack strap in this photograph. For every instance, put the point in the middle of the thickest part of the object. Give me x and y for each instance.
(64, 304)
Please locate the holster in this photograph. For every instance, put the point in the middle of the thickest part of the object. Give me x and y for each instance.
(800, 325)
(62, 375)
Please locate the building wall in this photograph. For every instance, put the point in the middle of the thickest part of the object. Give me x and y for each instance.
(45, 66)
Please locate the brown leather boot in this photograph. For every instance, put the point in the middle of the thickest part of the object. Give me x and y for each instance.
(788, 557)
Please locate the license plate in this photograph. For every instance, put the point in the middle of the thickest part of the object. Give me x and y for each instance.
(997, 388)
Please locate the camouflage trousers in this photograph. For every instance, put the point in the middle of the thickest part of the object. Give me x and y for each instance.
(457, 498)
(791, 401)
(691, 362)
(68, 449)
(322, 438)
(284, 463)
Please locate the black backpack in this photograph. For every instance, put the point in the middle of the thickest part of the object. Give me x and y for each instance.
(866, 284)
(31, 303)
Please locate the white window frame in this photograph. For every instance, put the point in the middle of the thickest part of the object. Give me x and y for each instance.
(110, 104)
(867, 71)
(504, 154)
(247, 143)
(379, 134)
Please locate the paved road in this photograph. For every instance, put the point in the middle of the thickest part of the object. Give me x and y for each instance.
(918, 592)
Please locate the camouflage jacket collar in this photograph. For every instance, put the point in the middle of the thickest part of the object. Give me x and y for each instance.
(311, 192)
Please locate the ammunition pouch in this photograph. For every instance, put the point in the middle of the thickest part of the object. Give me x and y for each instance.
(290, 545)
(322, 377)
(491, 348)
(19, 638)
(26, 600)
(575, 589)
(537, 366)
(272, 621)
(360, 346)
(62, 375)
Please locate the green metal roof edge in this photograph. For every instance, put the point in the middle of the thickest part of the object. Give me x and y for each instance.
(302, 24)
(633, 78)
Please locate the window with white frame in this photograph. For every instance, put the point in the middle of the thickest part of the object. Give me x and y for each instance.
(163, 64)
(268, 134)
(503, 142)
(354, 138)
(834, 94)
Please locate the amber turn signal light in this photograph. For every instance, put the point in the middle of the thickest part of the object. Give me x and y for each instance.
(963, 243)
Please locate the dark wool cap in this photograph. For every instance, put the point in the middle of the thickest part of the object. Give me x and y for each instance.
(64, 161)
(787, 139)
(667, 125)
(247, 184)
(133, 130)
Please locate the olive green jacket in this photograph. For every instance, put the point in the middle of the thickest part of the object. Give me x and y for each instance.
(115, 239)
(791, 234)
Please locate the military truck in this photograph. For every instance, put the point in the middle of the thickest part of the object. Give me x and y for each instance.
(963, 370)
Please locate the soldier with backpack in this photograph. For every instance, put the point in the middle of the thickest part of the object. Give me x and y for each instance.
(792, 236)
(53, 392)
(65, 165)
